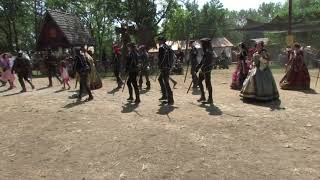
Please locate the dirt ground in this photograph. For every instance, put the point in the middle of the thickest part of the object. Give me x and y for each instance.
(46, 135)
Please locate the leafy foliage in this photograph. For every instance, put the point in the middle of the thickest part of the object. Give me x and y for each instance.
(177, 19)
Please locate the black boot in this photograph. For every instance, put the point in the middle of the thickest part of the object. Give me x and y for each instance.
(90, 98)
(137, 101)
(23, 90)
(163, 98)
(170, 101)
(130, 98)
(174, 84)
(148, 85)
(210, 101)
(202, 98)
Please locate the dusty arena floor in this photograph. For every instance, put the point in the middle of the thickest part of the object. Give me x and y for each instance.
(46, 135)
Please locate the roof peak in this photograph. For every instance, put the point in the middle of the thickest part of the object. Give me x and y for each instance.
(61, 12)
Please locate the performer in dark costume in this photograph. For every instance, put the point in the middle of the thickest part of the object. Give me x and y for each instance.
(82, 67)
(194, 63)
(223, 60)
(117, 64)
(205, 67)
(23, 69)
(165, 61)
(132, 70)
(144, 66)
(180, 55)
(52, 63)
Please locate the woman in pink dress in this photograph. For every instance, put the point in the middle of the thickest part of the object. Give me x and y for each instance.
(65, 75)
(7, 76)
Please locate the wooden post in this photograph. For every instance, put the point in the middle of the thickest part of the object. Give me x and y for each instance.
(290, 36)
(290, 18)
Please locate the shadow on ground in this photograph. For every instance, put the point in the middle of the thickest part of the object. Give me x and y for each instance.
(129, 107)
(166, 109)
(273, 105)
(13, 94)
(309, 91)
(115, 90)
(211, 109)
(6, 90)
(74, 104)
(43, 88)
(60, 90)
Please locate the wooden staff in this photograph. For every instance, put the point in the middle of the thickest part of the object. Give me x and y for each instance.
(185, 77)
(124, 85)
(318, 75)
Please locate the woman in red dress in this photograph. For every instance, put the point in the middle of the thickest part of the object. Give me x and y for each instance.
(242, 69)
(297, 75)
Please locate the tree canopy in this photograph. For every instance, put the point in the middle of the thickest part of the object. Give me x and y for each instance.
(176, 19)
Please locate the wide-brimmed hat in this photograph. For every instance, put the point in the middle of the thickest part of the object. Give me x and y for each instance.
(205, 40)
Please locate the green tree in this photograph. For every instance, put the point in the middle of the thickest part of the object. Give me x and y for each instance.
(15, 23)
(178, 26)
(212, 22)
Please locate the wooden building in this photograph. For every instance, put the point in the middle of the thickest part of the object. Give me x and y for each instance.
(62, 30)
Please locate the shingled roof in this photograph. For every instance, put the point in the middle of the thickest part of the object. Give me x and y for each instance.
(70, 25)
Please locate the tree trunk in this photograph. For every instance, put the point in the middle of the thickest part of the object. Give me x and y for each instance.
(10, 41)
(15, 34)
(35, 19)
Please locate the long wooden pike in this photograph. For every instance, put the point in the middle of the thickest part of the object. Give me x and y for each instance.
(75, 86)
(185, 77)
(189, 87)
(318, 76)
(124, 85)
(157, 75)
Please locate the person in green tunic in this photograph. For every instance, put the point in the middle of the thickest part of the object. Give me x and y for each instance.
(260, 83)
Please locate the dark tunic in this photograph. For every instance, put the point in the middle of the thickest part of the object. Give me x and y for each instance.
(165, 57)
(144, 60)
(193, 57)
(116, 61)
(22, 67)
(132, 70)
(132, 62)
(180, 56)
(206, 63)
